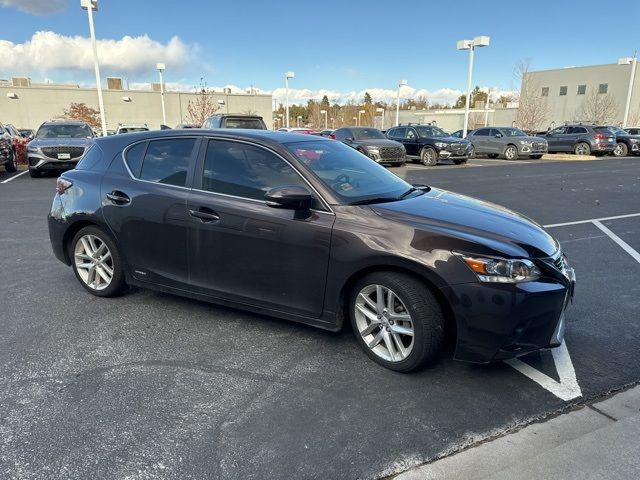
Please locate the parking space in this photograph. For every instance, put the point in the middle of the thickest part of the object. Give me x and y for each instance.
(151, 385)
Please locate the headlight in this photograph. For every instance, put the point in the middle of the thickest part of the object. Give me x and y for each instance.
(526, 143)
(32, 149)
(501, 270)
(634, 140)
(442, 145)
(373, 150)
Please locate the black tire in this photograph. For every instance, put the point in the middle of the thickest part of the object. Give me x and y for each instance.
(582, 148)
(426, 313)
(429, 156)
(621, 150)
(535, 157)
(118, 283)
(492, 155)
(35, 173)
(511, 152)
(11, 165)
(460, 161)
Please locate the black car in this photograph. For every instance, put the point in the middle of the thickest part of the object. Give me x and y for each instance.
(372, 143)
(308, 229)
(626, 142)
(431, 144)
(633, 131)
(58, 145)
(581, 139)
(235, 120)
(27, 133)
(7, 150)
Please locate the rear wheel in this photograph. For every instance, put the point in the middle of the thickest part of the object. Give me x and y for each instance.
(621, 150)
(397, 320)
(428, 156)
(492, 155)
(582, 148)
(511, 152)
(11, 165)
(97, 262)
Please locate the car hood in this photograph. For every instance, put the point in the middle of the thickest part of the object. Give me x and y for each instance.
(497, 228)
(530, 138)
(61, 142)
(447, 139)
(377, 142)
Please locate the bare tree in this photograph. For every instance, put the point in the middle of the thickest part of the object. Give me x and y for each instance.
(597, 107)
(533, 109)
(202, 107)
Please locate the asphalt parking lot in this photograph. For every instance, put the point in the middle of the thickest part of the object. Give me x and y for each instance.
(151, 385)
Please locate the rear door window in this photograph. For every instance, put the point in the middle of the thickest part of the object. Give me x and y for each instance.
(483, 132)
(167, 161)
(400, 132)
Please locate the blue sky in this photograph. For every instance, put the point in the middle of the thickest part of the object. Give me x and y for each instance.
(338, 47)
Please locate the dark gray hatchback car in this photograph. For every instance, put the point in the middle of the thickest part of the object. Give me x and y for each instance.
(582, 139)
(307, 229)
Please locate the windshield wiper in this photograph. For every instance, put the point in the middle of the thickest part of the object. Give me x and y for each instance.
(414, 188)
(368, 201)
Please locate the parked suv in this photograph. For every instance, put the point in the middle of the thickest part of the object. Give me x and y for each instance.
(7, 151)
(58, 145)
(626, 142)
(235, 120)
(633, 131)
(430, 144)
(581, 139)
(507, 141)
(131, 128)
(372, 143)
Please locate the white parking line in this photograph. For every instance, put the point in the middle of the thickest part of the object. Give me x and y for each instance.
(15, 176)
(624, 245)
(592, 220)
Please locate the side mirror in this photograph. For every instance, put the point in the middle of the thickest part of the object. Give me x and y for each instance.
(291, 197)
(348, 139)
(498, 135)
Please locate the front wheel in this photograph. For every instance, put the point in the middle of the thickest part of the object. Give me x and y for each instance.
(97, 262)
(621, 150)
(397, 320)
(11, 165)
(428, 156)
(511, 153)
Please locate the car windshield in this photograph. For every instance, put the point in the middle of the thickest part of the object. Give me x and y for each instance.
(513, 132)
(353, 177)
(64, 131)
(367, 133)
(428, 131)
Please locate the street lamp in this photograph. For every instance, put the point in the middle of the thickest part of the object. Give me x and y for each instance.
(326, 122)
(161, 67)
(633, 62)
(299, 118)
(486, 108)
(90, 6)
(380, 110)
(360, 112)
(401, 84)
(470, 45)
(287, 76)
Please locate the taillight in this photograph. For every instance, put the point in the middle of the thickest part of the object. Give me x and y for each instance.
(332, 136)
(600, 136)
(62, 185)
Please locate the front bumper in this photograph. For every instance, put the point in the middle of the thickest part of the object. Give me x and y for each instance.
(500, 321)
(603, 147)
(395, 160)
(40, 162)
(453, 153)
(534, 149)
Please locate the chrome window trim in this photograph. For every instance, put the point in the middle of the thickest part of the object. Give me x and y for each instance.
(196, 137)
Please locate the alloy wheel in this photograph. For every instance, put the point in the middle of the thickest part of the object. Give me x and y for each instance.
(93, 262)
(510, 153)
(620, 150)
(384, 323)
(582, 149)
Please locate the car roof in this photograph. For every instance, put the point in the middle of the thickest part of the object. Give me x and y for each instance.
(248, 115)
(59, 122)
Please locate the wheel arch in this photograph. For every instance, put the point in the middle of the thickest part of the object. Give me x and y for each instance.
(71, 232)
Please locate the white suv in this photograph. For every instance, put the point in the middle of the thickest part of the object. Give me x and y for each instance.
(131, 128)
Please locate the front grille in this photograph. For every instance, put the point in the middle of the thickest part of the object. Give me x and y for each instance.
(52, 152)
(391, 152)
(459, 148)
(539, 146)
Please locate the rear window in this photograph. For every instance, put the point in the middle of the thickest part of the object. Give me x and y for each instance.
(90, 159)
(603, 130)
(251, 123)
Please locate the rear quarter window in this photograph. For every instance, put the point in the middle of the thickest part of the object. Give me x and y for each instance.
(90, 159)
(134, 157)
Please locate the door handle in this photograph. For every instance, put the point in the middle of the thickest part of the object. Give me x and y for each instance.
(119, 198)
(205, 215)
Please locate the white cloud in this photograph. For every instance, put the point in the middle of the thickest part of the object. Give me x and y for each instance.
(50, 51)
(37, 7)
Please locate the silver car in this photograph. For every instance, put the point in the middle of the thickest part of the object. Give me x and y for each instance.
(508, 141)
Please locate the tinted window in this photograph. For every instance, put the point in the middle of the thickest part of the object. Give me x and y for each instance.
(342, 133)
(246, 171)
(493, 132)
(558, 131)
(167, 161)
(64, 131)
(603, 130)
(563, 91)
(399, 132)
(366, 133)
(90, 159)
(576, 130)
(252, 123)
(411, 134)
(483, 132)
(134, 158)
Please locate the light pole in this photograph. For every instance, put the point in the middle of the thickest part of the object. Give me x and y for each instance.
(632, 77)
(90, 6)
(401, 84)
(470, 45)
(486, 108)
(287, 76)
(326, 122)
(360, 112)
(161, 67)
(380, 110)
